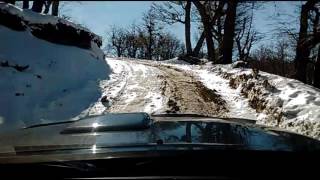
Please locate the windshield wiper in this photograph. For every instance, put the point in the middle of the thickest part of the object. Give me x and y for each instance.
(49, 124)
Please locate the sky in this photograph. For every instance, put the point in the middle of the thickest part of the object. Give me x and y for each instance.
(100, 15)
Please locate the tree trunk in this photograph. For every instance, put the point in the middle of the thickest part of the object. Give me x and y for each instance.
(317, 71)
(150, 45)
(197, 49)
(55, 8)
(302, 51)
(209, 39)
(187, 28)
(119, 52)
(205, 18)
(229, 26)
(25, 4)
(37, 6)
(47, 7)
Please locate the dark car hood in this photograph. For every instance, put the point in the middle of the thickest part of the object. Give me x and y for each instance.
(140, 132)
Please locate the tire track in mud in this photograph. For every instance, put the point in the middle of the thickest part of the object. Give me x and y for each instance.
(185, 94)
(117, 84)
(139, 91)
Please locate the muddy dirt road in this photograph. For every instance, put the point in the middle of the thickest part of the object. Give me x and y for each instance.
(157, 88)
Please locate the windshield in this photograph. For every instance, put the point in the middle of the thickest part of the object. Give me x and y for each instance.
(65, 64)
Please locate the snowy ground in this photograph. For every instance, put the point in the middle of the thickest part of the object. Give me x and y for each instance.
(300, 103)
(131, 88)
(150, 87)
(137, 86)
(237, 105)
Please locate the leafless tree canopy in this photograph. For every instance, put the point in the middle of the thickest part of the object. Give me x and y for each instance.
(227, 33)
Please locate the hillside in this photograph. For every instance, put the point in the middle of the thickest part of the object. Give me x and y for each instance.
(44, 79)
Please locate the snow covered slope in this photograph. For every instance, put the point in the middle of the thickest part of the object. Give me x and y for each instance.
(289, 104)
(299, 104)
(42, 81)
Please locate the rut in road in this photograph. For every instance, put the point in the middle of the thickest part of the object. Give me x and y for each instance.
(183, 93)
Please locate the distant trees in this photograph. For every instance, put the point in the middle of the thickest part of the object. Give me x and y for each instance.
(143, 42)
(298, 54)
(245, 34)
(275, 58)
(221, 28)
(151, 30)
(118, 40)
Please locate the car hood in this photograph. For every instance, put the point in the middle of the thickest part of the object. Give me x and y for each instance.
(122, 132)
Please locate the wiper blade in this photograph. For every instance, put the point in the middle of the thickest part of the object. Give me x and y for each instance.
(232, 119)
(50, 124)
(106, 122)
(180, 115)
(80, 166)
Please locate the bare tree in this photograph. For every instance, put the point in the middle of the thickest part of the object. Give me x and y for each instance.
(169, 14)
(152, 28)
(55, 8)
(131, 41)
(206, 21)
(229, 32)
(168, 46)
(302, 50)
(273, 58)
(176, 12)
(246, 36)
(117, 39)
(47, 5)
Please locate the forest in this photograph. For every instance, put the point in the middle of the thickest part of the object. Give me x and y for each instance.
(226, 34)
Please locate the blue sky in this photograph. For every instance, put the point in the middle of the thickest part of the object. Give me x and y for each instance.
(99, 16)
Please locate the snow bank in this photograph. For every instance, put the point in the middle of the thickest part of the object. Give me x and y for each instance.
(297, 103)
(42, 81)
(271, 100)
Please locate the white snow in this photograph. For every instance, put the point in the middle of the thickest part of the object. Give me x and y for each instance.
(60, 83)
(132, 87)
(238, 106)
(301, 102)
(301, 99)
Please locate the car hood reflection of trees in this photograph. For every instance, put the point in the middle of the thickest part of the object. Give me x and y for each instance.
(115, 134)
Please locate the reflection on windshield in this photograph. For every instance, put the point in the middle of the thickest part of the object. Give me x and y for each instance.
(224, 133)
